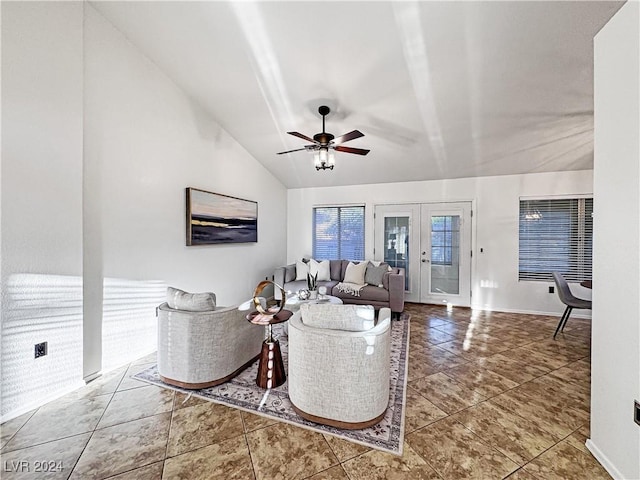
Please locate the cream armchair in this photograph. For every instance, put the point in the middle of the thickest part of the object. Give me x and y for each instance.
(339, 364)
(200, 349)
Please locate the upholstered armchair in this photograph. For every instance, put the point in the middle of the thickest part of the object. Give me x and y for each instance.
(339, 364)
(199, 349)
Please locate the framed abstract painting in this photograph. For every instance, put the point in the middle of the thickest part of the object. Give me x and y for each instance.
(214, 218)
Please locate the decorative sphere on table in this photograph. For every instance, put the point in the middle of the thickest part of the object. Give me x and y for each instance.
(322, 290)
(303, 294)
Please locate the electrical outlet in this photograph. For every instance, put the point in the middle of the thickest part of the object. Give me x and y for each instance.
(636, 412)
(40, 349)
(551, 289)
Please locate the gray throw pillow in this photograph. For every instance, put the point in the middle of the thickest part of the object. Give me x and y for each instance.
(190, 302)
(373, 275)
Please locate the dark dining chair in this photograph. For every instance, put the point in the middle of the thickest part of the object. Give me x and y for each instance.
(566, 297)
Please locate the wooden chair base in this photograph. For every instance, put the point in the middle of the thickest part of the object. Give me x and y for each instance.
(212, 383)
(338, 423)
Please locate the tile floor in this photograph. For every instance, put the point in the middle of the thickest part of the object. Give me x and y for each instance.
(490, 395)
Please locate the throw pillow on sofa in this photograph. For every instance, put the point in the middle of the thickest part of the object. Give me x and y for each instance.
(374, 274)
(355, 273)
(191, 302)
(302, 269)
(320, 268)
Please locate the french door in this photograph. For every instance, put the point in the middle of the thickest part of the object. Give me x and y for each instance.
(432, 242)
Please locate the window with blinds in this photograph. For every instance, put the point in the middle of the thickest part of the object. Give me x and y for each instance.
(338, 233)
(556, 235)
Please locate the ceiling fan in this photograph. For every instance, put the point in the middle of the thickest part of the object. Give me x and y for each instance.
(324, 142)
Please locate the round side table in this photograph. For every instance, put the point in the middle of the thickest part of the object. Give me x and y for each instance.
(271, 372)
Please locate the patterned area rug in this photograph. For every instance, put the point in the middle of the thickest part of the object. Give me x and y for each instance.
(243, 393)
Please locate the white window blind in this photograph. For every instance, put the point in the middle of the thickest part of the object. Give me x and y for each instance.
(338, 233)
(556, 235)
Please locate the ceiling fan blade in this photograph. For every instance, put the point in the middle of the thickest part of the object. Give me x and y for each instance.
(289, 151)
(304, 137)
(357, 151)
(349, 136)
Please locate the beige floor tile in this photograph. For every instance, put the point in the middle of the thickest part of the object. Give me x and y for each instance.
(419, 411)
(529, 355)
(128, 382)
(511, 368)
(485, 382)
(568, 350)
(9, 428)
(430, 361)
(333, 473)
(521, 474)
(123, 447)
(344, 449)
(377, 465)
(52, 460)
(254, 422)
(546, 412)
(184, 400)
(578, 439)
(59, 419)
(564, 462)
(106, 383)
(446, 393)
(433, 336)
(137, 403)
(202, 425)
(148, 472)
(457, 453)
(228, 459)
(306, 452)
(474, 343)
(566, 393)
(517, 438)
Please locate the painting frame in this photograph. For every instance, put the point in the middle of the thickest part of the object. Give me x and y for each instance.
(214, 218)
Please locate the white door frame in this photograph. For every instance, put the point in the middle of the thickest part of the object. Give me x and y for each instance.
(413, 210)
(427, 293)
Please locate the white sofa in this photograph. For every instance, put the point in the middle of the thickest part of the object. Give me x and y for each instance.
(339, 364)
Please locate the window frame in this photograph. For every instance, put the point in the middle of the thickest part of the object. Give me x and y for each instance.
(340, 245)
(576, 265)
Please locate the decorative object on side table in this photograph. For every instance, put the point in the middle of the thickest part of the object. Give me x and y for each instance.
(271, 372)
(312, 284)
(303, 294)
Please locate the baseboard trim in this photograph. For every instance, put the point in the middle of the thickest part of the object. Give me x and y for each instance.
(603, 460)
(41, 401)
(574, 314)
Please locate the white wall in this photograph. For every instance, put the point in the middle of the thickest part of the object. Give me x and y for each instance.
(615, 364)
(145, 141)
(41, 200)
(98, 146)
(496, 212)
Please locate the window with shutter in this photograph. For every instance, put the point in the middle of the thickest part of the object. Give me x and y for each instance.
(556, 235)
(338, 233)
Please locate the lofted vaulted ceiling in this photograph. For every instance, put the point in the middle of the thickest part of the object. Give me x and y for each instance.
(440, 89)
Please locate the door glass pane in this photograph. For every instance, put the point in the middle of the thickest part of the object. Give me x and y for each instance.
(396, 244)
(445, 254)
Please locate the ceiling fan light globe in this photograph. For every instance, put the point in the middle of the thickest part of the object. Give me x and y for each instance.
(332, 160)
(316, 160)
